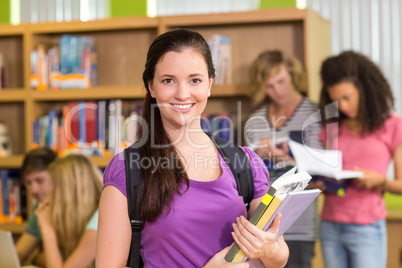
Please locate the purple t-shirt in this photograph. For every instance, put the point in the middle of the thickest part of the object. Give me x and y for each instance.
(200, 222)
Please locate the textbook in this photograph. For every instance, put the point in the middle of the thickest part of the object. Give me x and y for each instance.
(279, 191)
(320, 162)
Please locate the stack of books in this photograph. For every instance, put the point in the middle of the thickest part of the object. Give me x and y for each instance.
(288, 196)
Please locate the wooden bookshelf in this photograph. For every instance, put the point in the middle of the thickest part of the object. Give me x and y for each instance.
(13, 162)
(122, 44)
(15, 228)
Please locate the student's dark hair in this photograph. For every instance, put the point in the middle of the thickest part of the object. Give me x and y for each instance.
(157, 187)
(37, 160)
(376, 100)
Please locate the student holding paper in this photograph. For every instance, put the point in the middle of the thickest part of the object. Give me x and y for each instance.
(369, 134)
(277, 81)
(190, 210)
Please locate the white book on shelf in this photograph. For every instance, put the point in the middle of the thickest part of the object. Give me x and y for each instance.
(59, 10)
(67, 12)
(161, 7)
(25, 11)
(42, 10)
(34, 11)
(321, 162)
(76, 9)
(102, 9)
(92, 10)
(51, 10)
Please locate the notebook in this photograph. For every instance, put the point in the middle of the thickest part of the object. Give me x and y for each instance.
(8, 254)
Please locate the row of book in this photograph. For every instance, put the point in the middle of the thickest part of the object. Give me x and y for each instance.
(101, 128)
(71, 64)
(12, 195)
(182, 7)
(221, 51)
(105, 127)
(2, 71)
(33, 11)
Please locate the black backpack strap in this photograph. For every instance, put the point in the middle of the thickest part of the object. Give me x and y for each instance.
(131, 160)
(239, 164)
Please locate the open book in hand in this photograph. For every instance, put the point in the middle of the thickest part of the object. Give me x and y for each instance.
(320, 162)
(286, 195)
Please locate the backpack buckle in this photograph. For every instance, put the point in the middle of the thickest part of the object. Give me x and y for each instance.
(137, 225)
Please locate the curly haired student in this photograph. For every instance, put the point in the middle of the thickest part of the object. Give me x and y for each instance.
(369, 135)
(192, 210)
(69, 219)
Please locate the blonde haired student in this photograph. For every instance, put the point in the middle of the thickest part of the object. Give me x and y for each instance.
(276, 82)
(68, 221)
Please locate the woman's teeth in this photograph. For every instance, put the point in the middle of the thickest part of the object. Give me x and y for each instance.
(182, 107)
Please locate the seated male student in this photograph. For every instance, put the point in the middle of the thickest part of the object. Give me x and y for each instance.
(39, 184)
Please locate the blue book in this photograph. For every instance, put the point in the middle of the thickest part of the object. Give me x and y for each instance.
(82, 125)
(225, 127)
(205, 124)
(4, 175)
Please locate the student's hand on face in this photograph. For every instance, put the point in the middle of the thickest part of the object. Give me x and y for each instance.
(43, 214)
(371, 179)
(218, 260)
(256, 243)
(267, 148)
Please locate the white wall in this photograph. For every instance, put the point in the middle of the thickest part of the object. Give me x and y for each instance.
(372, 27)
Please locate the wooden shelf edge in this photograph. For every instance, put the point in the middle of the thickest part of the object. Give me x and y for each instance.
(12, 95)
(14, 161)
(235, 90)
(254, 16)
(95, 25)
(104, 92)
(15, 228)
(12, 30)
(394, 214)
(101, 161)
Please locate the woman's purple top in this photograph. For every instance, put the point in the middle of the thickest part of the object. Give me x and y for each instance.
(200, 222)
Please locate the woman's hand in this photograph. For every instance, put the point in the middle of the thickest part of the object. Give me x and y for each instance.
(371, 179)
(274, 152)
(218, 260)
(256, 243)
(43, 214)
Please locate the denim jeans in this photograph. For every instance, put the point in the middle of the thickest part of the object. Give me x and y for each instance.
(353, 245)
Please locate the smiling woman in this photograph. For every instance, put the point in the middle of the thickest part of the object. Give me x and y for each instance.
(181, 87)
(190, 207)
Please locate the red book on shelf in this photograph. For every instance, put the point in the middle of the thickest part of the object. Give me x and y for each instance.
(71, 121)
(91, 121)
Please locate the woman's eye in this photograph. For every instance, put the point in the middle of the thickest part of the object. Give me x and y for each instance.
(195, 81)
(167, 81)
